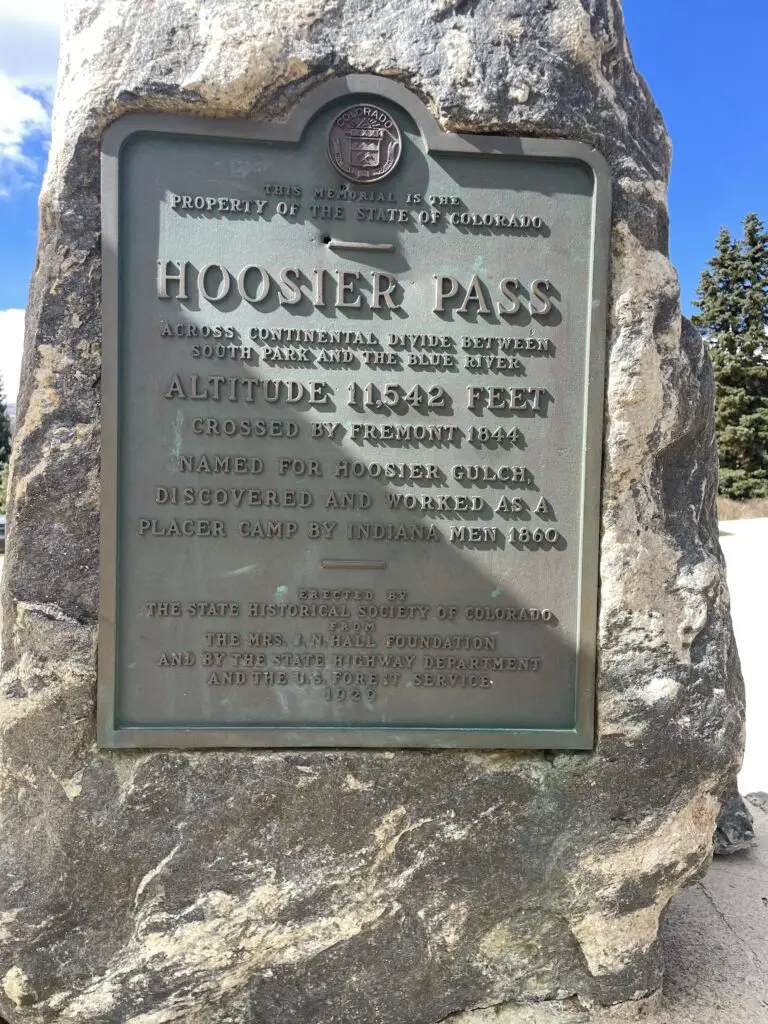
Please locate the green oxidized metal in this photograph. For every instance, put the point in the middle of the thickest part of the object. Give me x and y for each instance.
(352, 410)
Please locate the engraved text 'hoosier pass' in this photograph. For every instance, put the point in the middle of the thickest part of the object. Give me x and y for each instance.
(354, 448)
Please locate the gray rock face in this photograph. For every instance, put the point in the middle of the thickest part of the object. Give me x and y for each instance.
(735, 829)
(357, 887)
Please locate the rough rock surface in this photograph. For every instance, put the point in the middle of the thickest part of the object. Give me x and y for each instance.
(356, 887)
(735, 829)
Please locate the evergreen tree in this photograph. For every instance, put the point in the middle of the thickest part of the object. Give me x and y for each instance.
(5, 429)
(733, 318)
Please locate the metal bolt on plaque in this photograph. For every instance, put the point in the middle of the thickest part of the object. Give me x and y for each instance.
(364, 143)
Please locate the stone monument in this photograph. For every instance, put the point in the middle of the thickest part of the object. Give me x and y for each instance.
(365, 467)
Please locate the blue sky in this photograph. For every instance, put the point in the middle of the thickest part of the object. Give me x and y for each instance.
(702, 59)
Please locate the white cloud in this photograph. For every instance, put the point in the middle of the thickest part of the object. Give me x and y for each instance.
(29, 41)
(11, 347)
(29, 53)
(37, 10)
(21, 115)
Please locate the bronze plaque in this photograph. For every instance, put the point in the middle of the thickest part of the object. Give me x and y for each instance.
(352, 410)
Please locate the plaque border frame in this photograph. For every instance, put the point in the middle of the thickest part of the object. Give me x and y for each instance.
(367, 736)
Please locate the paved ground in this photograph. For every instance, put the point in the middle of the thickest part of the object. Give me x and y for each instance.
(716, 942)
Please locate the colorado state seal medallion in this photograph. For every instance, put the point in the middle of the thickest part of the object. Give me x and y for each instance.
(364, 144)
